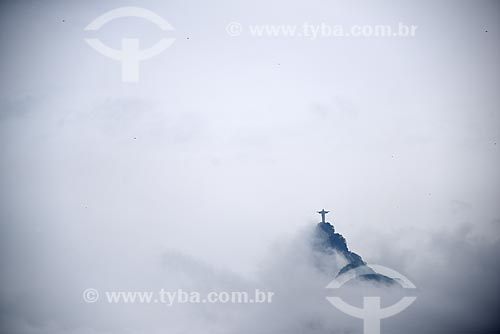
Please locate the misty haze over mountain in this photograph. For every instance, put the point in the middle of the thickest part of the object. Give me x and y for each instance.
(207, 173)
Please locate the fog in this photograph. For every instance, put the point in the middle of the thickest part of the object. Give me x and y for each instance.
(208, 172)
(456, 292)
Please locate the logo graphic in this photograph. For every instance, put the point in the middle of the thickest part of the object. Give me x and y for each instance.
(130, 55)
(371, 313)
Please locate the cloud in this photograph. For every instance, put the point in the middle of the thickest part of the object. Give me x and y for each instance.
(457, 295)
(187, 177)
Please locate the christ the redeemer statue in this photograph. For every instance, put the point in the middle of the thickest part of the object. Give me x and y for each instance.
(323, 214)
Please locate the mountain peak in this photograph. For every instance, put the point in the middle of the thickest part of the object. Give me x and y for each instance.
(328, 241)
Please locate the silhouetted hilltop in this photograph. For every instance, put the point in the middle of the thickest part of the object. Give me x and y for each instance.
(328, 241)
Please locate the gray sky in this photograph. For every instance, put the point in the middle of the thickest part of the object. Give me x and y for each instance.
(228, 145)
